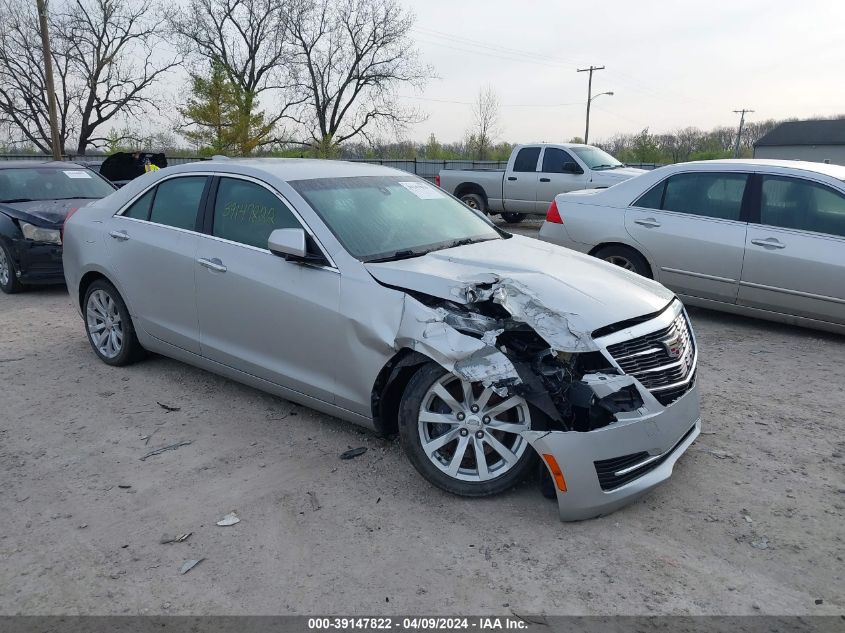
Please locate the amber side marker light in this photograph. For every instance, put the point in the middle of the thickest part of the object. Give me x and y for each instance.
(557, 473)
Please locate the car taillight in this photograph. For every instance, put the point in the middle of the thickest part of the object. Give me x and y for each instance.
(553, 215)
(437, 180)
(64, 224)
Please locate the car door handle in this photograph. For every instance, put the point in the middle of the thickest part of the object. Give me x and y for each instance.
(213, 264)
(648, 222)
(511, 177)
(769, 243)
(545, 179)
(121, 236)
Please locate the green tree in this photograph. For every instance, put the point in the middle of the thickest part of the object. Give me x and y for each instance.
(221, 118)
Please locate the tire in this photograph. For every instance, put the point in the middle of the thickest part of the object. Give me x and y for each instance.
(513, 218)
(470, 433)
(102, 305)
(626, 258)
(474, 201)
(9, 282)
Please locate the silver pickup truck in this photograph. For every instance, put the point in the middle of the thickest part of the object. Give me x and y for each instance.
(534, 176)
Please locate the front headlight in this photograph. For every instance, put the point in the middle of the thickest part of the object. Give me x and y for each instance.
(38, 234)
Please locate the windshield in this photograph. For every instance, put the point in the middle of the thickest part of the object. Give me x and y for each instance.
(28, 184)
(391, 217)
(596, 159)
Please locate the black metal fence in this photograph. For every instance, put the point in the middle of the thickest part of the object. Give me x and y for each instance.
(421, 167)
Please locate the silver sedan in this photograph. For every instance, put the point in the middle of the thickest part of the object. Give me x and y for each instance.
(763, 238)
(371, 295)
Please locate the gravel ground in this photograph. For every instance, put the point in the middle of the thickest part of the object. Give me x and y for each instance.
(751, 522)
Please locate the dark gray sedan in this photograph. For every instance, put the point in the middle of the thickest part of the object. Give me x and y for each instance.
(35, 199)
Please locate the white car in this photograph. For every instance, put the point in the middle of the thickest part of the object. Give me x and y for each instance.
(763, 238)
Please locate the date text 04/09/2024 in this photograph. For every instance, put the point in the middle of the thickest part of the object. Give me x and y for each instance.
(493, 623)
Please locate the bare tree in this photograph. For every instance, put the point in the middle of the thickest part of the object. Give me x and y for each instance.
(247, 39)
(104, 55)
(351, 55)
(485, 129)
(113, 47)
(23, 86)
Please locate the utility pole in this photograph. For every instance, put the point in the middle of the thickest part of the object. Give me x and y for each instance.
(51, 87)
(742, 114)
(589, 97)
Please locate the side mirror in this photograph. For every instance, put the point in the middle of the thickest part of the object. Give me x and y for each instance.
(292, 244)
(288, 243)
(572, 168)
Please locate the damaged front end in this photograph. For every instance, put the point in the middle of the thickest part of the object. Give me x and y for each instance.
(620, 408)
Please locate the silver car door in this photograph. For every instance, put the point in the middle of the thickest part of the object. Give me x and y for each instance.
(153, 244)
(691, 227)
(559, 173)
(795, 256)
(520, 186)
(259, 313)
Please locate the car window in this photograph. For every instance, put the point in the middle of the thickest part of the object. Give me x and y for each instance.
(247, 213)
(795, 203)
(553, 160)
(25, 184)
(709, 194)
(376, 216)
(526, 159)
(177, 201)
(652, 198)
(140, 209)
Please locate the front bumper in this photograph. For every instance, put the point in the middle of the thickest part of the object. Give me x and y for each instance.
(38, 263)
(664, 433)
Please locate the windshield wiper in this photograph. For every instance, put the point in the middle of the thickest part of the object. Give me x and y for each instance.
(406, 254)
(608, 166)
(18, 200)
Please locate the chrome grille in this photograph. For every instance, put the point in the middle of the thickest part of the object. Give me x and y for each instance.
(663, 361)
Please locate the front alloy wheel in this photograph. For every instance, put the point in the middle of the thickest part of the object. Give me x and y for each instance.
(9, 282)
(464, 437)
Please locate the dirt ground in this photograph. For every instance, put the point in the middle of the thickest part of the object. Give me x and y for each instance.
(751, 522)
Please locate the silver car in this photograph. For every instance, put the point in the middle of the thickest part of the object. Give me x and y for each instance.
(369, 294)
(762, 238)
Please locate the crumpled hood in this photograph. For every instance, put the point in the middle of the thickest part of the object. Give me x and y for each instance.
(46, 213)
(589, 291)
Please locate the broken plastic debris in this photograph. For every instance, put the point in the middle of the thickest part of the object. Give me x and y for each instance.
(188, 565)
(312, 498)
(352, 453)
(171, 447)
(762, 543)
(229, 519)
(179, 538)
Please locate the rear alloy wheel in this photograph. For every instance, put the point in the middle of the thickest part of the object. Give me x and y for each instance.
(474, 201)
(513, 218)
(109, 325)
(9, 282)
(626, 258)
(464, 437)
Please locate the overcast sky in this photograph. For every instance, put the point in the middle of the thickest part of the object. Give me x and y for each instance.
(670, 64)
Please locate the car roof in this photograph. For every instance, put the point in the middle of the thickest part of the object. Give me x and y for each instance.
(834, 171)
(288, 169)
(30, 164)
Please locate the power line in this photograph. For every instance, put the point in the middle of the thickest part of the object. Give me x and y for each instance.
(503, 105)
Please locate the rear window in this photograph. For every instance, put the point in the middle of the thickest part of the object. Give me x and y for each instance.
(526, 159)
(25, 184)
